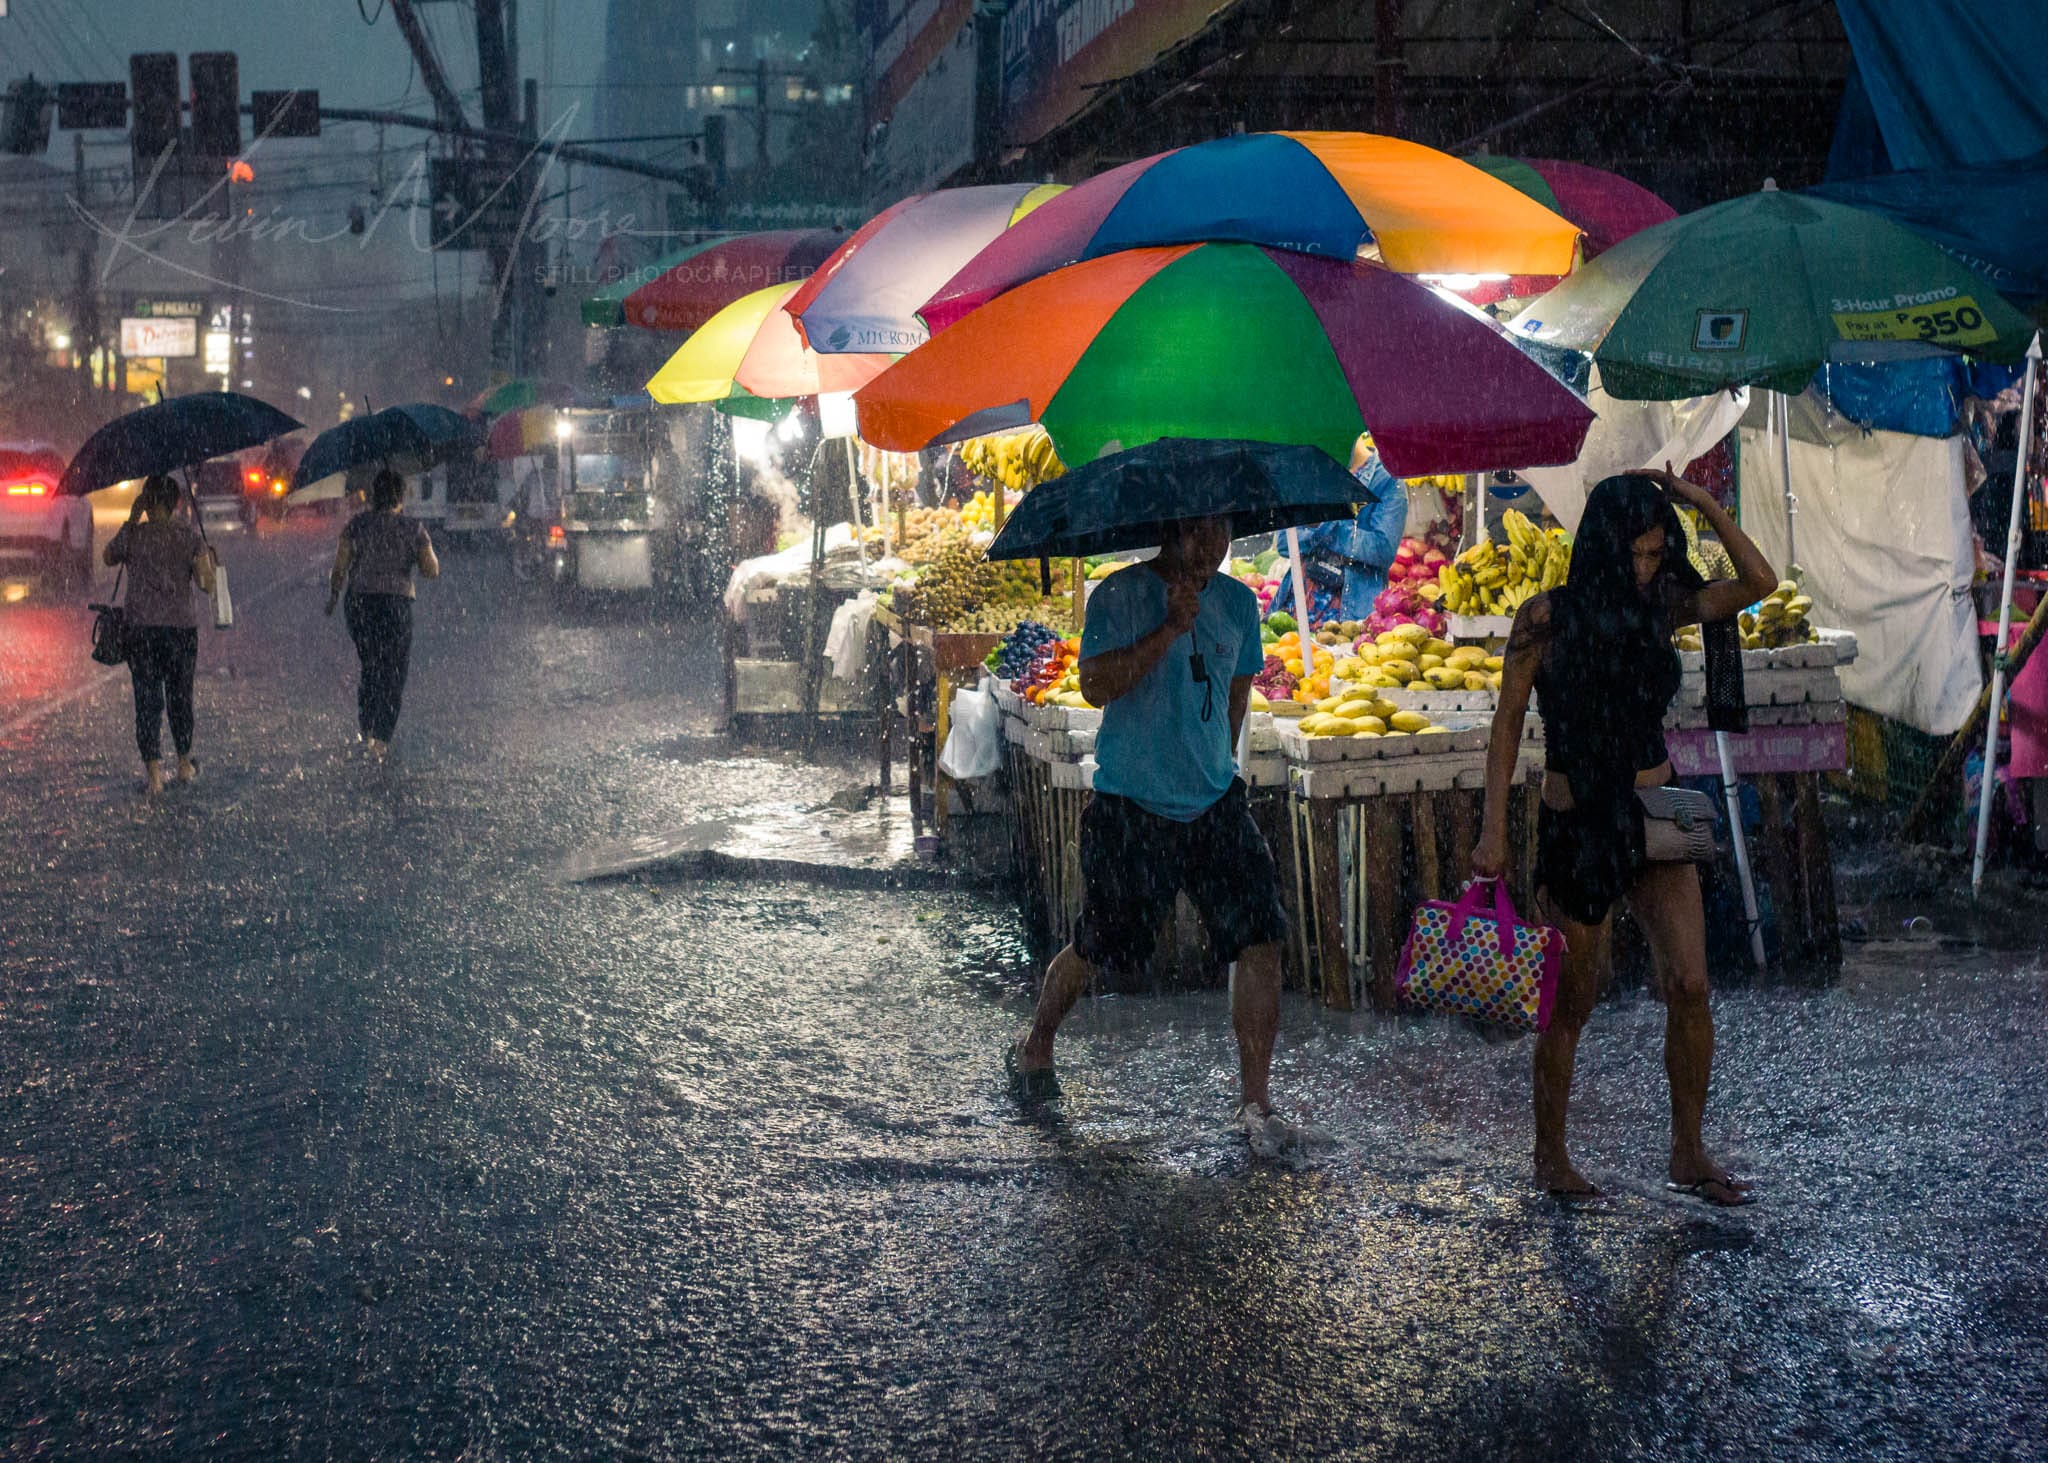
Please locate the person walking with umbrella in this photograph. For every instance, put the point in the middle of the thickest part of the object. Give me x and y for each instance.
(379, 552)
(1169, 651)
(164, 559)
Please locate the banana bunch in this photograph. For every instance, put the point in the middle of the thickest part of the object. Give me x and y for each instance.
(1778, 620)
(1485, 580)
(1017, 460)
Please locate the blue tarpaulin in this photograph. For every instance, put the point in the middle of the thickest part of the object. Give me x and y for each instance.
(1995, 219)
(1952, 83)
(1924, 398)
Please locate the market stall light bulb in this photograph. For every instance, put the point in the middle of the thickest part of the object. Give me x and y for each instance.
(565, 430)
(1459, 282)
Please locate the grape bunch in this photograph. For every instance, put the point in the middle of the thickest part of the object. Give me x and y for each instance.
(1013, 656)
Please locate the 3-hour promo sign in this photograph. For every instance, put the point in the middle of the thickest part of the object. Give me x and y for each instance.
(168, 337)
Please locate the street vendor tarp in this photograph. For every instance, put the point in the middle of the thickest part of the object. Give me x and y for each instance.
(1883, 530)
(1992, 218)
(1627, 435)
(1952, 82)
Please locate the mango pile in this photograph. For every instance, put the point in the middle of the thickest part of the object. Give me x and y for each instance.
(1408, 656)
(1365, 716)
(1486, 581)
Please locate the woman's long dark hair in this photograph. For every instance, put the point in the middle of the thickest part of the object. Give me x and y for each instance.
(1610, 640)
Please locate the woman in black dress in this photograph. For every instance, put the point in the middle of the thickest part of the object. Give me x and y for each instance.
(1597, 652)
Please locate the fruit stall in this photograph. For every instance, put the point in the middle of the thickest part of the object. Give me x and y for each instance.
(1366, 752)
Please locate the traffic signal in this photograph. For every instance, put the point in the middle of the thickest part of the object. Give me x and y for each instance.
(25, 120)
(216, 104)
(82, 105)
(153, 84)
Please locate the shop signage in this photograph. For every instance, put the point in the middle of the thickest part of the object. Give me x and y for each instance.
(1817, 748)
(177, 336)
(1057, 54)
(219, 359)
(169, 309)
(928, 135)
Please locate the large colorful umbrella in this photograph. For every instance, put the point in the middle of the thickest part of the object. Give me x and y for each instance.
(1764, 290)
(1605, 207)
(751, 347)
(684, 289)
(1334, 193)
(865, 297)
(518, 394)
(1232, 341)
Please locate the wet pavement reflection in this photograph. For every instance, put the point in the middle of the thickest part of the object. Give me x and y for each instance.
(336, 1122)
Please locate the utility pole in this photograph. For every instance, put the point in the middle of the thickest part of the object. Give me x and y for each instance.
(85, 307)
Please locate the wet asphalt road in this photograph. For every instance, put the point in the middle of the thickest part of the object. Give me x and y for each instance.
(333, 1124)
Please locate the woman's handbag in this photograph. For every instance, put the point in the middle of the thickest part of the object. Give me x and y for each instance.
(1678, 825)
(110, 628)
(1461, 959)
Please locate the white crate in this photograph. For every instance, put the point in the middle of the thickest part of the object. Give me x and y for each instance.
(1069, 744)
(1467, 628)
(1268, 770)
(1073, 776)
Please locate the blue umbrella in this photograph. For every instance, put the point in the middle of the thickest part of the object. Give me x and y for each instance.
(411, 438)
(1123, 500)
(176, 433)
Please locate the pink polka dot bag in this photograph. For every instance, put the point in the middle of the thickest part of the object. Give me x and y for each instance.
(1466, 961)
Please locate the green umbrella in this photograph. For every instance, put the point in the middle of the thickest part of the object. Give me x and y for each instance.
(1764, 290)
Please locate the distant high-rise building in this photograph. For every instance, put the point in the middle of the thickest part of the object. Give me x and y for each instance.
(669, 64)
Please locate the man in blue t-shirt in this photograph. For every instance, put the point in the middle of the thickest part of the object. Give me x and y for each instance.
(1168, 653)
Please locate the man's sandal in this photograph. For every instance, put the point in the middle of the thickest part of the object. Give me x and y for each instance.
(1029, 1085)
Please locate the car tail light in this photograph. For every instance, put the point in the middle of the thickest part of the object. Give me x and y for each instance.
(28, 490)
(254, 476)
(556, 535)
(277, 486)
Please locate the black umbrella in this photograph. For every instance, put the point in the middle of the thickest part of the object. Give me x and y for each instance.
(411, 438)
(176, 433)
(1123, 500)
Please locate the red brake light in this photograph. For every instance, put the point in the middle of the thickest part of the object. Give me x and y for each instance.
(254, 475)
(28, 490)
(556, 535)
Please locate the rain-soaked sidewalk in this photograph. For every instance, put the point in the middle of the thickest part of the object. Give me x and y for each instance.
(339, 1119)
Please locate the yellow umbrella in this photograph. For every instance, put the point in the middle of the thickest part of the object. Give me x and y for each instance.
(752, 347)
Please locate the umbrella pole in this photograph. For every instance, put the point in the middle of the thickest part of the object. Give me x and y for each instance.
(1731, 789)
(2012, 553)
(1783, 406)
(1300, 587)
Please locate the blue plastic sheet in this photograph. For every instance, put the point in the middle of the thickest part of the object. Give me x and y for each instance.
(1952, 83)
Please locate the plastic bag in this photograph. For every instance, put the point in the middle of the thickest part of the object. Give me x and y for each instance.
(223, 603)
(974, 745)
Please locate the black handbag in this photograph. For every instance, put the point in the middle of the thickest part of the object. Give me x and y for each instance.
(110, 628)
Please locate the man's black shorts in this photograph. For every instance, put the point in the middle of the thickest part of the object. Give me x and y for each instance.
(1134, 862)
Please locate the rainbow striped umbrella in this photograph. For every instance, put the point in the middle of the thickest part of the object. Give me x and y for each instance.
(1232, 341)
(865, 297)
(1334, 193)
(750, 348)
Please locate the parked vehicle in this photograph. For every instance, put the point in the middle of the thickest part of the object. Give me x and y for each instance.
(42, 533)
(607, 519)
(224, 506)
